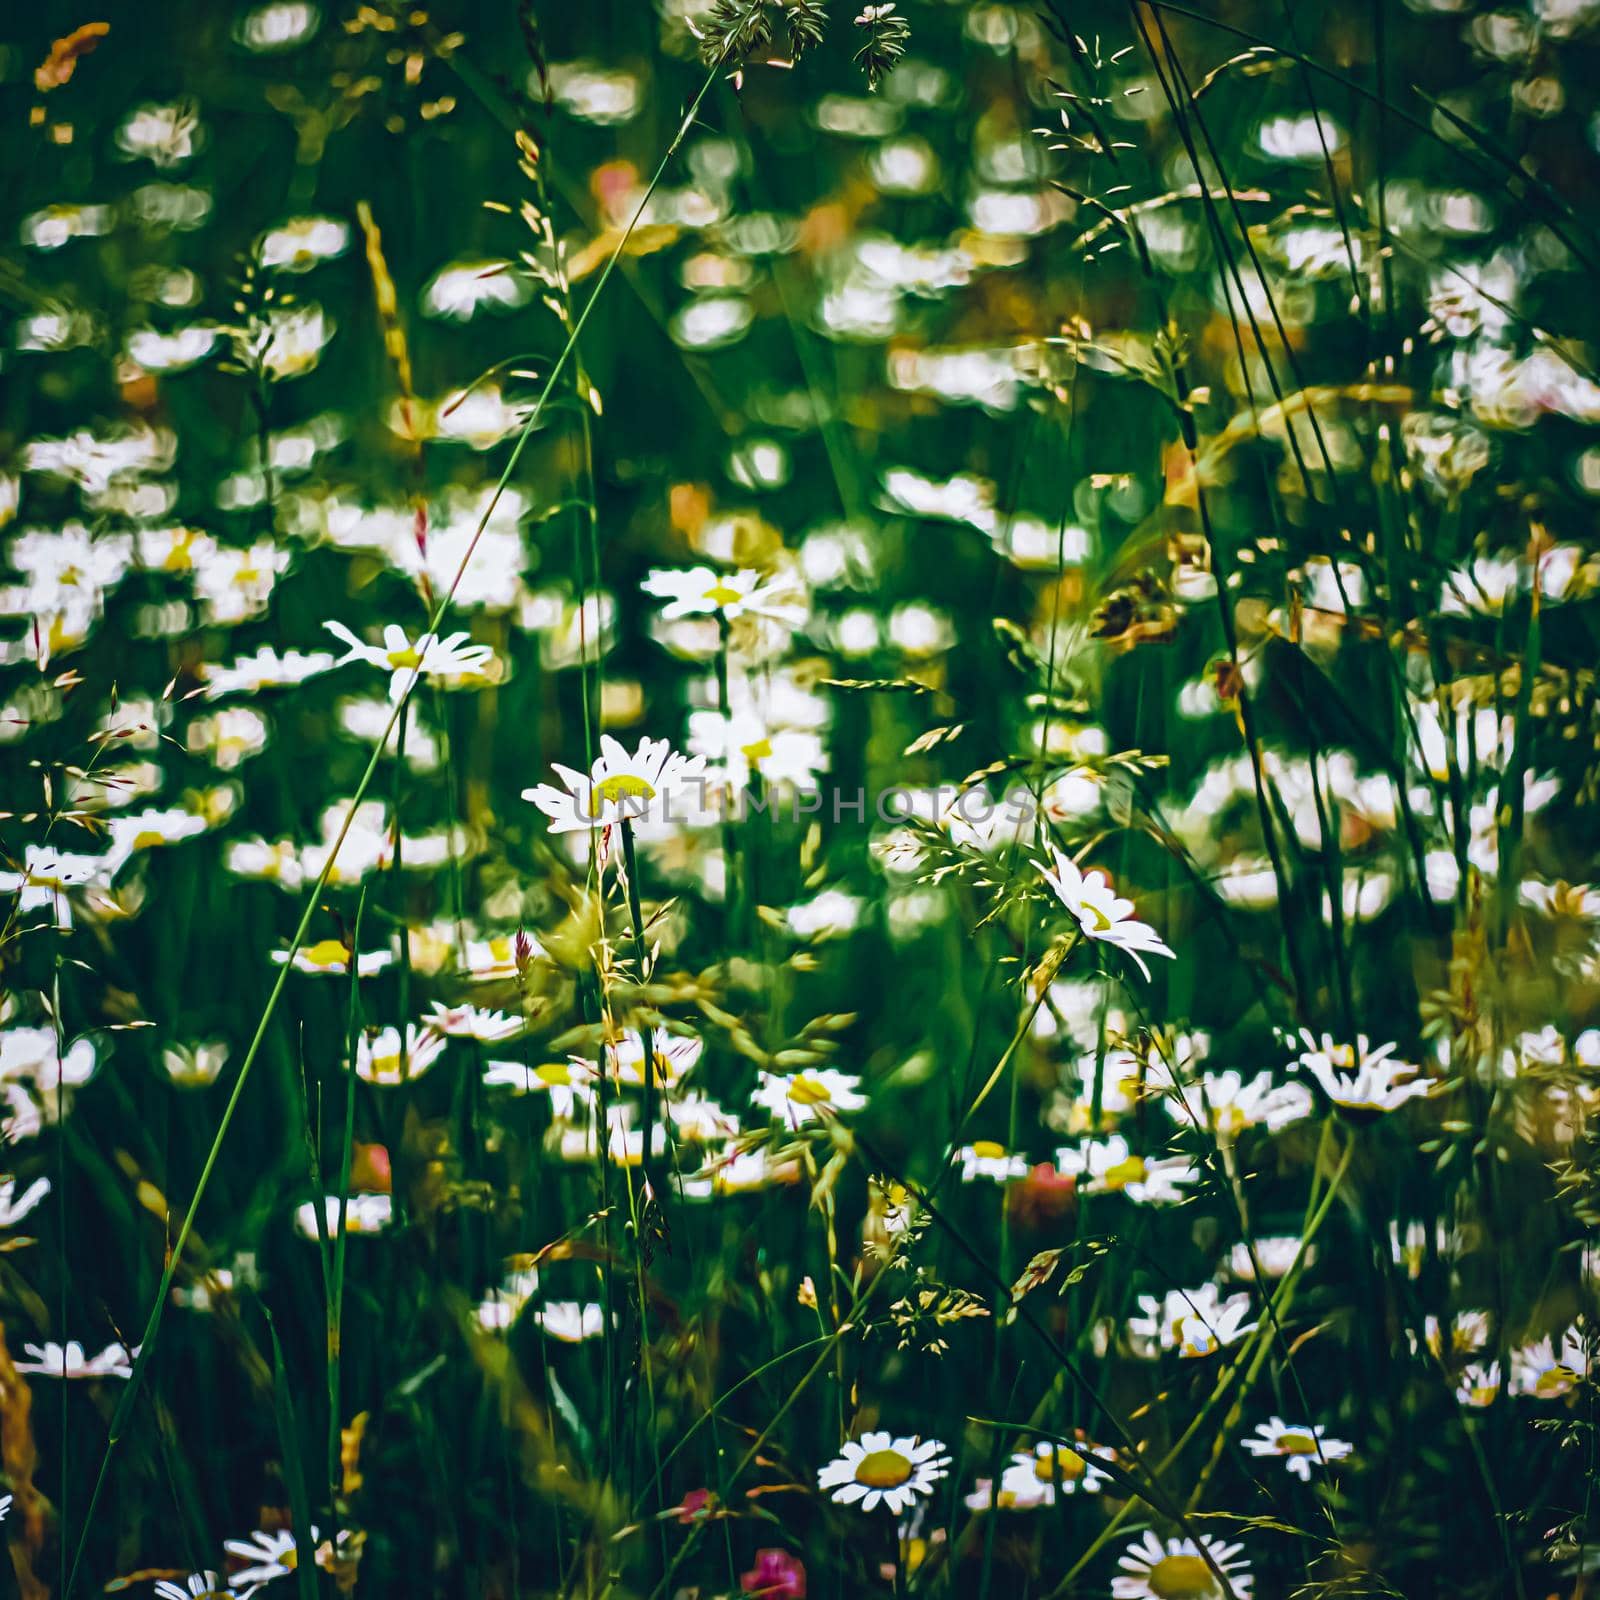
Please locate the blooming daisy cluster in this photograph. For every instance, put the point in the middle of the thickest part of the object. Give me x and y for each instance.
(800, 801)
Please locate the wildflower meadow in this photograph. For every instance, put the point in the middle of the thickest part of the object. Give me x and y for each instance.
(800, 799)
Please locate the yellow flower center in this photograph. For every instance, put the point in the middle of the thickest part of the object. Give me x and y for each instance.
(1552, 1384)
(1182, 1578)
(147, 839)
(988, 1150)
(806, 1091)
(623, 786)
(1122, 1173)
(721, 594)
(1066, 1467)
(1100, 920)
(399, 659)
(1296, 1444)
(756, 753)
(883, 1469)
(325, 953)
(554, 1074)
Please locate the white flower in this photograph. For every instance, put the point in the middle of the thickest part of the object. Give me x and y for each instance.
(331, 958)
(378, 1055)
(363, 1214)
(802, 1097)
(571, 1322)
(1110, 1166)
(1479, 1385)
(878, 1469)
(568, 1083)
(983, 1158)
(1101, 913)
(1358, 1078)
(300, 244)
(1547, 1371)
(462, 289)
(672, 1058)
(14, 1208)
(197, 1586)
(405, 659)
(638, 788)
(272, 1555)
(1300, 1445)
(164, 135)
(473, 1022)
(51, 1360)
(1194, 1322)
(1175, 1569)
(702, 591)
(1275, 1252)
(1035, 1477)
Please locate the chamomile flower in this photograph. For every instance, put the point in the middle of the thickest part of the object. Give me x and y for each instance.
(570, 1084)
(801, 1097)
(14, 1207)
(1108, 1166)
(364, 1214)
(1548, 1370)
(984, 1158)
(1036, 1477)
(406, 659)
(1301, 1446)
(331, 958)
(1192, 1322)
(474, 1022)
(379, 1058)
(879, 1469)
(197, 1586)
(1175, 1569)
(704, 592)
(639, 788)
(1479, 1384)
(272, 1555)
(1100, 912)
(672, 1057)
(571, 1321)
(1359, 1079)
(51, 1360)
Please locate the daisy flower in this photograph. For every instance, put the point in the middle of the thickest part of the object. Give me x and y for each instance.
(1100, 912)
(1479, 1385)
(14, 1207)
(474, 1022)
(571, 1322)
(197, 1586)
(1275, 1253)
(984, 1158)
(619, 787)
(1175, 1569)
(569, 1084)
(406, 659)
(1193, 1322)
(1358, 1078)
(878, 1469)
(51, 1360)
(1546, 1370)
(801, 1097)
(1035, 1477)
(1110, 1167)
(672, 1058)
(378, 1055)
(1301, 1446)
(703, 592)
(331, 958)
(272, 1555)
(363, 1214)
